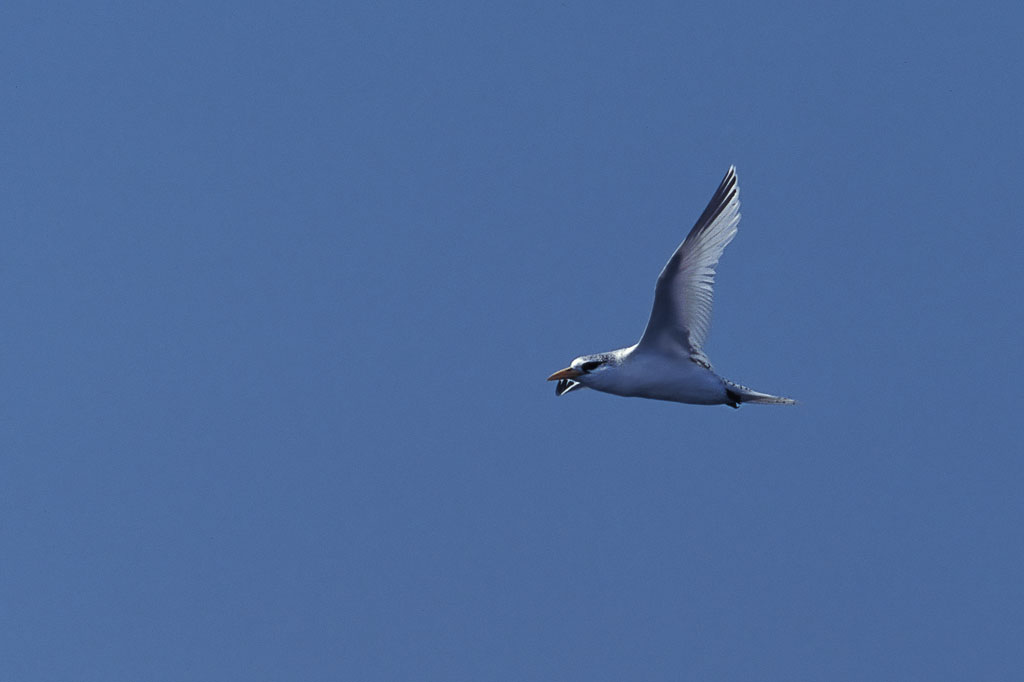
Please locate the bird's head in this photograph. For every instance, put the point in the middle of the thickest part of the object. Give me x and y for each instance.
(582, 370)
(581, 366)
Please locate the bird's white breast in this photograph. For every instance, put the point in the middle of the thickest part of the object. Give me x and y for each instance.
(662, 377)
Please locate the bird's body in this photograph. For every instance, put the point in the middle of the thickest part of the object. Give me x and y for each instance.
(668, 363)
(636, 373)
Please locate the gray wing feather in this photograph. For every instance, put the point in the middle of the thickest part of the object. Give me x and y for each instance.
(681, 316)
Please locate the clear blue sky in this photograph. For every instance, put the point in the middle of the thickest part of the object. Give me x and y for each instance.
(282, 283)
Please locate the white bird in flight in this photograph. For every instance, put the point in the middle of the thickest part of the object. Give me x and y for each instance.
(668, 362)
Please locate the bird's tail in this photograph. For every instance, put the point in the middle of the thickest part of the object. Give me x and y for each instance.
(741, 394)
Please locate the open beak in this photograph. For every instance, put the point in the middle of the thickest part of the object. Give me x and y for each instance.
(567, 373)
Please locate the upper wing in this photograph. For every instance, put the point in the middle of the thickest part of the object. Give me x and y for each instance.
(681, 316)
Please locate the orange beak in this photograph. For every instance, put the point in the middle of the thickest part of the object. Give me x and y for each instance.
(567, 373)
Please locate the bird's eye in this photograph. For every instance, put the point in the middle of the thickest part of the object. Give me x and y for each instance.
(590, 366)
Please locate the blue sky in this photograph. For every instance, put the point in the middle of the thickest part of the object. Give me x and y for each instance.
(282, 285)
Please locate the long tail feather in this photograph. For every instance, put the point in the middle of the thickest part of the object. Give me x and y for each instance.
(742, 394)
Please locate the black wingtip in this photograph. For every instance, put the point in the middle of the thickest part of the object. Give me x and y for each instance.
(564, 386)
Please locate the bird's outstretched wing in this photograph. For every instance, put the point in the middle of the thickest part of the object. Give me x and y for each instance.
(681, 316)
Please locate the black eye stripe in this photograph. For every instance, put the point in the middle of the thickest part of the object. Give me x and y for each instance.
(592, 365)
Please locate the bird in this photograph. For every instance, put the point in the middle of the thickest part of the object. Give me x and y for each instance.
(668, 362)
